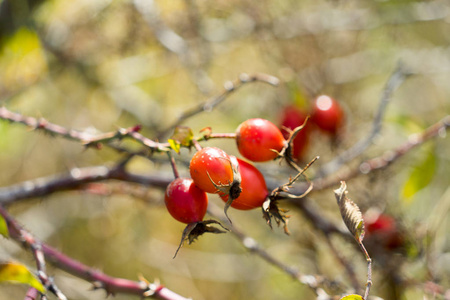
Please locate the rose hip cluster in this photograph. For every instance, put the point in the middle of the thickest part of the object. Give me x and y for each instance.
(212, 170)
(326, 114)
(238, 183)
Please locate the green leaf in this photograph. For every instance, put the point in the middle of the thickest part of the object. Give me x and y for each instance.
(352, 297)
(3, 227)
(18, 273)
(421, 175)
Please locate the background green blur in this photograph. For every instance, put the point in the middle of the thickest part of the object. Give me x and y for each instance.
(97, 65)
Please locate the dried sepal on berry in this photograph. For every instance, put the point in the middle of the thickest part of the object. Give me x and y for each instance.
(193, 230)
(287, 151)
(271, 210)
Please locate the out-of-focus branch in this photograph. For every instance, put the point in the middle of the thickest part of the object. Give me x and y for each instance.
(85, 138)
(175, 43)
(229, 87)
(387, 158)
(100, 280)
(376, 163)
(394, 81)
(32, 294)
(75, 179)
(312, 281)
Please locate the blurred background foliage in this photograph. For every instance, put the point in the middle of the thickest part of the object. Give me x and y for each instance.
(98, 65)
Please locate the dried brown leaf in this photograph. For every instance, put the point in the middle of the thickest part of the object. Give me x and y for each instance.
(350, 212)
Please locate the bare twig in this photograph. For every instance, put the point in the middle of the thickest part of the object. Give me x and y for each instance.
(32, 294)
(369, 270)
(100, 280)
(229, 87)
(75, 179)
(394, 81)
(312, 281)
(387, 158)
(380, 162)
(85, 138)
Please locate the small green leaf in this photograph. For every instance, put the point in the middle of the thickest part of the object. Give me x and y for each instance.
(421, 175)
(3, 227)
(18, 273)
(174, 145)
(352, 297)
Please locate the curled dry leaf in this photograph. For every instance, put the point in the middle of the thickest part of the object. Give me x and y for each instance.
(350, 213)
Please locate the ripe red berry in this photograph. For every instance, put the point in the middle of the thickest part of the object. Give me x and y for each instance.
(254, 189)
(259, 140)
(292, 117)
(383, 230)
(214, 171)
(327, 114)
(185, 201)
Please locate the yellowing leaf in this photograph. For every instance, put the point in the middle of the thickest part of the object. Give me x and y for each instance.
(421, 175)
(18, 273)
(352, 297)
(3, 227)
(174, 145)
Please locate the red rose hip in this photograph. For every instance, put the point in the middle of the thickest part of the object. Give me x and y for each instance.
(259, 140)
(185, 201)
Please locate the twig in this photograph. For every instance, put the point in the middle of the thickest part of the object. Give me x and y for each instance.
(394, 81)
(387, 158)
(229, 87)
(380, 162)
(85, 138)
(312, 281)
(32, 294)
(369, 270)
(100, 280)
(75, 179)
(350, 272)
(175, 43)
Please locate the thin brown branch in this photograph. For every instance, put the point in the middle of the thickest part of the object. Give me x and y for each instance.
(312, 281)
(86, 139)
(75, 179)
(229, 87)
(100, 280)
(387, 158)
(32, 294)
(395, 80)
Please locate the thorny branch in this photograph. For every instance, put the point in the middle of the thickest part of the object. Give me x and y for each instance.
(100, 280)
(75, 179)
(85, 138)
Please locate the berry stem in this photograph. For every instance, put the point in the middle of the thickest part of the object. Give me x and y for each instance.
(173, 164)
(197, 146)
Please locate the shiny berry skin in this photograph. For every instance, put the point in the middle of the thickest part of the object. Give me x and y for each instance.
(254, 189)
(292, 117)
(214, 171)
(327, 114)
(185, 201)
(259, 140)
